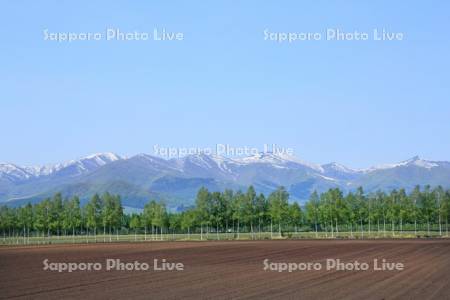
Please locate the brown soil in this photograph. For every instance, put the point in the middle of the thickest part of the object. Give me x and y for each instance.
(224, 270)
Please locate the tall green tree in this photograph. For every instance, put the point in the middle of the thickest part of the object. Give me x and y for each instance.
(295, 215)
(71, 215)
(203, 206)
(94, 213)
(312, 211)
(135, 223)
(278, 206)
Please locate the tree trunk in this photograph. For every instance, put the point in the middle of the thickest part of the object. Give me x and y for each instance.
(440, 225)
(332, 228)
(271, 229)
(378, 226)
(446, 225)
(226, 228)
(259, 228)
(337, 229)
(315, 223)
(401, 225)
(217, 231)
(362, 229)
(392, 227)
(279, 228)
(415, 226)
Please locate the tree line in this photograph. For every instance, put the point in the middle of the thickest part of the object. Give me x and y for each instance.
(237, 212)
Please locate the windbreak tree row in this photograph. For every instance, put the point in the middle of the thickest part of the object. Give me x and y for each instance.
(237, 212)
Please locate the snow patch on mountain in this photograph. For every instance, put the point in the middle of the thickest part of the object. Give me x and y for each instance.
(278, 160)
(339, 168)
(326, 177)
(414, 161)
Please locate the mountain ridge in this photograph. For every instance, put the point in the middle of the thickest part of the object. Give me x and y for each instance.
(176, 180)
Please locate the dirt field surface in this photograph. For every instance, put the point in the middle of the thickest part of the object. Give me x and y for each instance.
(228, 270)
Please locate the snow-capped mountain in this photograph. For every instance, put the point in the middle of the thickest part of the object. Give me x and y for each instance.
(70, 168)
(338, 168)
(177, 180)
(12, 172)
(280, 160)
(335, 170)
(414, 161)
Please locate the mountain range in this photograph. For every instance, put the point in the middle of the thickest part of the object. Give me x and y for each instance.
(176, 181)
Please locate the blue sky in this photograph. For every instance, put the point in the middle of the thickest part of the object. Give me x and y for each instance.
(359, 103)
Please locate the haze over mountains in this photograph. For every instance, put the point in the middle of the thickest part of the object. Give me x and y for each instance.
(176, 181)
